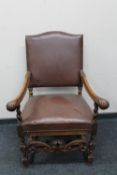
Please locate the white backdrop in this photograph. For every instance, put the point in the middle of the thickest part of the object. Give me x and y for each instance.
(97, 20)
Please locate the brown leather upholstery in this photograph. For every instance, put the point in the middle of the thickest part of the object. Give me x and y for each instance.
(57, 112)
(54, 59)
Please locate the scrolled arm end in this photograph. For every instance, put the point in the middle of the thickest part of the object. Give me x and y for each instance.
(12, 105)
(102, 103)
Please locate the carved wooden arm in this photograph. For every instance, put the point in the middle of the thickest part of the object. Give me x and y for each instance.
(102, 103)
(13, 104)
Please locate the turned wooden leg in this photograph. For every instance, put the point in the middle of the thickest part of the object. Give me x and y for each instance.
(91, 145)
(32, 151)
(25, 158)
(24, 151)
(32, 156)
(90, 156)
(23, 147)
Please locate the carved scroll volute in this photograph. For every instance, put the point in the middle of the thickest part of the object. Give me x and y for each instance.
(58, 145)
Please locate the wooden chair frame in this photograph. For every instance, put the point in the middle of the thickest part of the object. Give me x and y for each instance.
(29, 139)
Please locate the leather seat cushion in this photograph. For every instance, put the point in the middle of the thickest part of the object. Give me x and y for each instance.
(57, 112)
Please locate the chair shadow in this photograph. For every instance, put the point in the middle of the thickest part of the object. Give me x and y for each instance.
(58, 158)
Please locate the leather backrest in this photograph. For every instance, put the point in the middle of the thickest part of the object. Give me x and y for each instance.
(54, 59)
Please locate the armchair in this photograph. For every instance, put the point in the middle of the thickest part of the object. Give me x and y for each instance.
(55, 59)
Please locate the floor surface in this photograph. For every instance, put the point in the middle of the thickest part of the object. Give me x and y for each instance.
(61, 164)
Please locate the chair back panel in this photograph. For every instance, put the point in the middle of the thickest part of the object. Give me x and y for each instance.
(54, 59)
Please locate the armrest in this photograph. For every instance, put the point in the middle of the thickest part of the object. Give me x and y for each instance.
(102, 103)
(13, 104)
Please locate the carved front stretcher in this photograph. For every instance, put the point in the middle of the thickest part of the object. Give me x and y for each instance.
(35, 144)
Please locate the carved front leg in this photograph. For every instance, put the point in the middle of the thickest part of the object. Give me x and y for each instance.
(23, 146)
(25, 158)
(92, 143)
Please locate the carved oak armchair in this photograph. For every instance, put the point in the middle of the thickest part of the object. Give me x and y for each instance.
(56, 59)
